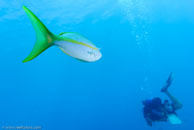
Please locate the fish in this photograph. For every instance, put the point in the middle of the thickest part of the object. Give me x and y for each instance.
(71, 43)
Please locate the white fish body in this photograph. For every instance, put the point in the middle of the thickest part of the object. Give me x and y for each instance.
(82, 50)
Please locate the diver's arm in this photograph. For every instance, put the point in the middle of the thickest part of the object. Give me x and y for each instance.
(149, 121)
(147, 118)
(176, 103)
(157, 113)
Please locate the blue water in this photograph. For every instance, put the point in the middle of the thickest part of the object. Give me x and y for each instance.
(141, 43)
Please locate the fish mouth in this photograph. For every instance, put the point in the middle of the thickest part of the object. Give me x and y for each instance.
(97, 57)
(94, 55)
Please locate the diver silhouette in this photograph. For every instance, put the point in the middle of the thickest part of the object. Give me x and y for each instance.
(155, 111)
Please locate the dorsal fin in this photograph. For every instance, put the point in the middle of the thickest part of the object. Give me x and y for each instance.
(62, 33)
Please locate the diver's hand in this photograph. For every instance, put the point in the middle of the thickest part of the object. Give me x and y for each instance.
(168, 83)
(170, 79)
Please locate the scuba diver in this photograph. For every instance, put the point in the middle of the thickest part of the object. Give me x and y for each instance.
(155, 111)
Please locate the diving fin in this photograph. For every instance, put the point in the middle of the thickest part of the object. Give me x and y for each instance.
(174, 119)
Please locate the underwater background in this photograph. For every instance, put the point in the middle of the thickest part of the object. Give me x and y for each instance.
(141, 41)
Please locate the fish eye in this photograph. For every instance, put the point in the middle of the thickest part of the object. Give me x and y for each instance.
(92, 53)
